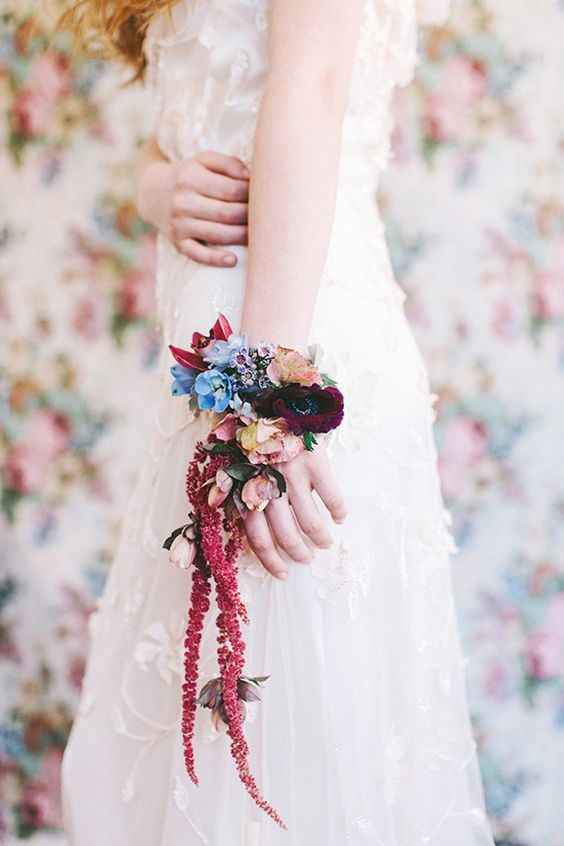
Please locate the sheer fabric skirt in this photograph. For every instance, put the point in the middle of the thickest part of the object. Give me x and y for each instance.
(363, 734)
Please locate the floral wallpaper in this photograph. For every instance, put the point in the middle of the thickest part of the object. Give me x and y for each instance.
(479, 143)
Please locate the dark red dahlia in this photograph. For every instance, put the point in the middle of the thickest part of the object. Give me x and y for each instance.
(306, 409)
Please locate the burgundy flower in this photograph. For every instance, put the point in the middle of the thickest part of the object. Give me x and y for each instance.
(305, 409)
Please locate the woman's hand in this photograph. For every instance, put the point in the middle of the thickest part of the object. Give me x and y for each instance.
(293, 524)
(199, 204)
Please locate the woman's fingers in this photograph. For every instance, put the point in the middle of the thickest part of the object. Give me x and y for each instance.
(188, 204)
(307, 514)
(325, 484)
(283, 527)
(262, 544)
(206, 230)
(212, 256)
(227, 165)
(215, 185)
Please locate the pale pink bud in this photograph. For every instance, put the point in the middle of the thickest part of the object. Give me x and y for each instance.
(220, 490)
(182, 553)
(258, 491)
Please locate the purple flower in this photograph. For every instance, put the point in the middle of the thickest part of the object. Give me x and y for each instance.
(220, 353)
(305, 409)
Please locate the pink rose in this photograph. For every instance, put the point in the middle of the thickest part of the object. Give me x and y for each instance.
(88, 318)
(549, 295)
(291, 366)
(41, 804)
(259, 491)
(220, 490)
(50, 76)
(48, 432)
(505, 319)
(25, 469)
(464, 444)
(496, 682)
(31, 113)
(136, 298)
(227, 428)
(544, 654)
(450, 106)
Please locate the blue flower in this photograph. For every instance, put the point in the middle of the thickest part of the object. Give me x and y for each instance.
(183, 380)
(219, 353)
(214, 390)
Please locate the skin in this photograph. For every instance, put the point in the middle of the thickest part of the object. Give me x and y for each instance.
(200, 204)
(312, 46)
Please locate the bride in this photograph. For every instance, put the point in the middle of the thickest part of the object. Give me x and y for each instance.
(272, 128)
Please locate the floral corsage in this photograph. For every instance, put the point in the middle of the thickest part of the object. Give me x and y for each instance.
(270, 404)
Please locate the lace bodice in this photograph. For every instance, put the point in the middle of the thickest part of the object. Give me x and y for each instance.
(207, 66)
(207, 63)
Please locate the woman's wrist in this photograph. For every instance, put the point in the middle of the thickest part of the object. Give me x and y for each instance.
(261, 327)
(275, 404)
(155, 186)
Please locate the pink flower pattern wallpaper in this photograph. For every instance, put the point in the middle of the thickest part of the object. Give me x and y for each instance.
(474, 210)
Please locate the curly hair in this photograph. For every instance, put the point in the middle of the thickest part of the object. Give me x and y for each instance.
(113, 28)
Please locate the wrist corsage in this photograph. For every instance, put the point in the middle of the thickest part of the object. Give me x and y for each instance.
(270, 403)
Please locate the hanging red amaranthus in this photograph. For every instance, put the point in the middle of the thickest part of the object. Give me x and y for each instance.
(219, 539)
(272, 403)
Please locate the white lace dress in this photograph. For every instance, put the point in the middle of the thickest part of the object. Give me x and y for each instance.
(362, 736)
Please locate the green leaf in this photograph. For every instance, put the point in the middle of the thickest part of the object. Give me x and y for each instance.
(9, 502)
(219, 448)
(257, 679)
(242, 472)
(327, 381)
(310, 441)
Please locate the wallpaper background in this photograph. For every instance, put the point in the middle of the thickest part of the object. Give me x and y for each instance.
(474, 205)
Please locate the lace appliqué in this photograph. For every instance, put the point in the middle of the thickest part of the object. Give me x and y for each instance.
(342, 576)
(161, 646)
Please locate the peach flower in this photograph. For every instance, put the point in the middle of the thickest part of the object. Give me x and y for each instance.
(269, 442)
(290, 366)
(259, 491)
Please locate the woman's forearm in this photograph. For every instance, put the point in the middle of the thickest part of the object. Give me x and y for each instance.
(291, 210)
(295, 170)
(153, 172)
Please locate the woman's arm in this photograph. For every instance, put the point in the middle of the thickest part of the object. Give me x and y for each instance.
(199, 204)
(295, 166)
(292, 202)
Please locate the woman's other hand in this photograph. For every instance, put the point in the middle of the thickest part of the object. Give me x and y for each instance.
(199, 204)
(293, 525)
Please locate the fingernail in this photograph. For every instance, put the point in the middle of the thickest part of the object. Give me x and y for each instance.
(229, 260)
(246, 172)
(283, 576)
